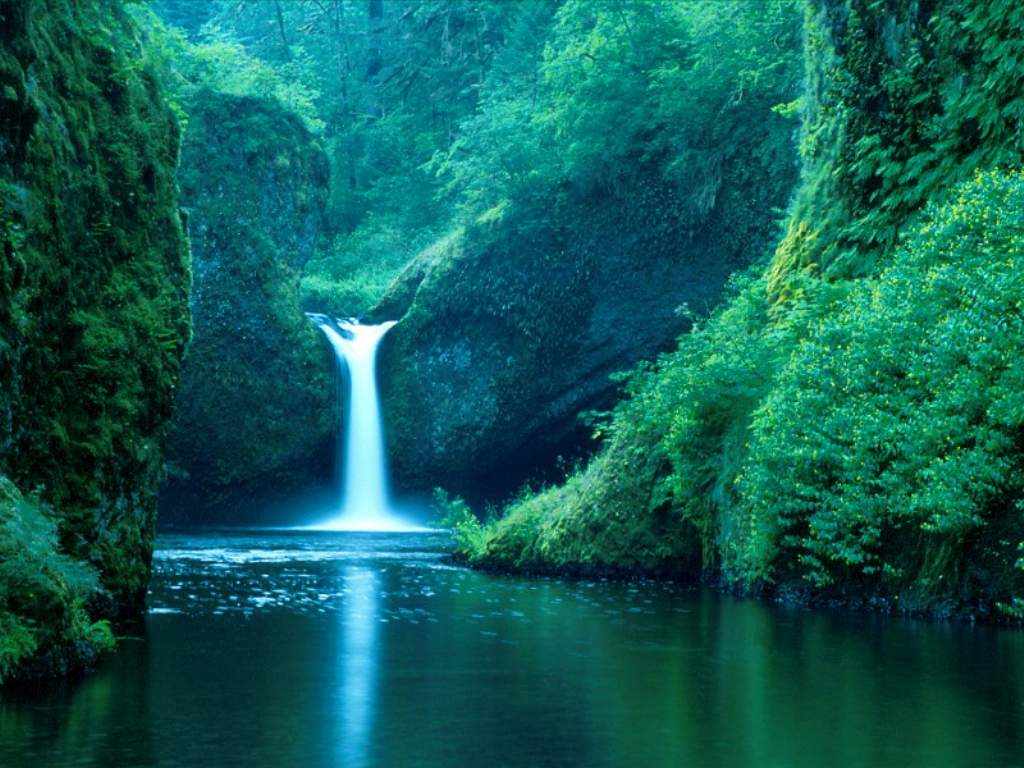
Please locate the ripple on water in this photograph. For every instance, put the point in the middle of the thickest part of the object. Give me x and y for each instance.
(321, 574)
(249, 574)
(223, 557)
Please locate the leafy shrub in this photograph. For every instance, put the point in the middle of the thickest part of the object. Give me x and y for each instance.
(43, 592)
(457, 516)
(892, 437)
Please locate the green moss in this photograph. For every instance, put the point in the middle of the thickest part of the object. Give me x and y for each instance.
(94, 280)
(254, 408)
(903, 100)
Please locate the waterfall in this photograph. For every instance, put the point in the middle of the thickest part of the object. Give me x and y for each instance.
(365, 502)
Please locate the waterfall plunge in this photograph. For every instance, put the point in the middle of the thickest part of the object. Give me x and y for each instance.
(364, 492)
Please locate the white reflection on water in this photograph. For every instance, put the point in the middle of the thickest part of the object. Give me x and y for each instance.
(358, 664)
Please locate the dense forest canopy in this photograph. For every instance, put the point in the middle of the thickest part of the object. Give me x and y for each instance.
(436, 113)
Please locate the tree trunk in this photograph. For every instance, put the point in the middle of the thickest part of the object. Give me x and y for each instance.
(374, 57)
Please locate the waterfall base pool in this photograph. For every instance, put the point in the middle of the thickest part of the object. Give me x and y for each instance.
(332, 649)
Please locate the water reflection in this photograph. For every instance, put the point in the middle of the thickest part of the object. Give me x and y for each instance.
(358, 662)
(358, 650)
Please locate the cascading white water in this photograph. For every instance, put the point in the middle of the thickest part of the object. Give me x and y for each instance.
(366, 505)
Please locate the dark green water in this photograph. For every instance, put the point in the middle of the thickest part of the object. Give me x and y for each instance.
(290, 649)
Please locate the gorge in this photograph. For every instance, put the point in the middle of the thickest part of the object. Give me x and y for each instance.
(700, 323)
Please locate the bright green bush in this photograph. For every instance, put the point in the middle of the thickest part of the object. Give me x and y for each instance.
(892, 438)
(457, 516)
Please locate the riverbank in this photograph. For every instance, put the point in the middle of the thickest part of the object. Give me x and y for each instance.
(790, 595)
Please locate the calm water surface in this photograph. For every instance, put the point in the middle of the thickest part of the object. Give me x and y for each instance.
(298, 649)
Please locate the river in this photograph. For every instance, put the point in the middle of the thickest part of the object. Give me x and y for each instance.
(356, 649)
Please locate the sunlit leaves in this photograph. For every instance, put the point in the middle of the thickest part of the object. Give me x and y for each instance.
(900, 412)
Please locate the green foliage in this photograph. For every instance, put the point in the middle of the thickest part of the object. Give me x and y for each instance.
(456, 515)
(226, 67)
(94, 278)
(221, 64)
(609, 518)
(17, 644)
(1015, 608)
(354, 271)
(891, 440)
(42, 591)
(854, 434)
(101, 635)
(903, 101)
(613, 93)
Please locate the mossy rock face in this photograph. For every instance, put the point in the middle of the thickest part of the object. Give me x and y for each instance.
(94, 280)
(254, 412)
(899, 105)
(516, 327)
